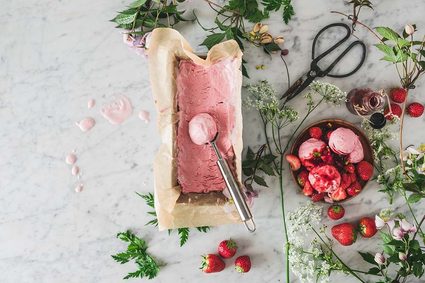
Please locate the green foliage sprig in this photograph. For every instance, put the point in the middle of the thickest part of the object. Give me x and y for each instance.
(143, 16)
(405, 52)
(182, 232)
(275, 5)
(137, 251)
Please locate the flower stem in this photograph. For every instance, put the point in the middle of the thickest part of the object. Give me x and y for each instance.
(300, 124)
(351, 271)
(282, 202)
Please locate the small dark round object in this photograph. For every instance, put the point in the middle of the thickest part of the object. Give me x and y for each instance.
(284, 52)
(377, 120)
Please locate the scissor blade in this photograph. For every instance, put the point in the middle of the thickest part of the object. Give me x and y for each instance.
(290, 93)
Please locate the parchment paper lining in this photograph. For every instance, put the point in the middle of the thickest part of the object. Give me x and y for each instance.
(176, 210)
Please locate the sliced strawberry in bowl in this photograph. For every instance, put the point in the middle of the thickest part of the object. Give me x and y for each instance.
(293, 161)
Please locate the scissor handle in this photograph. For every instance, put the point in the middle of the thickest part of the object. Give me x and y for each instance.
(357, 42)
(329, 50)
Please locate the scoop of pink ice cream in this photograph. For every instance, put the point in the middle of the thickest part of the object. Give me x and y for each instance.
(202, 128)
(325, 178)
(308, 148)
(342, 141)
(357, 154)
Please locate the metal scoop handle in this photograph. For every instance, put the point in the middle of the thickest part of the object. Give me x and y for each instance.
(235, 192)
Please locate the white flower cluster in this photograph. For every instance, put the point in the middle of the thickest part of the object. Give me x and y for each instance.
(414, 159)
(263, 97)
(330, 93)
(307, 259)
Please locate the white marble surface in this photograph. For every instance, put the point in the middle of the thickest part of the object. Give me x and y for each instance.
(55, 55)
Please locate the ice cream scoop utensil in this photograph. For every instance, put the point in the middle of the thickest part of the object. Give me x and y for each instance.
(234, 189)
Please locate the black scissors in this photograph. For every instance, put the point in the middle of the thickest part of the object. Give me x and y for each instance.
(315, 71)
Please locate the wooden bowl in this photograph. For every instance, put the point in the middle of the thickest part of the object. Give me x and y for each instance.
(333, 124)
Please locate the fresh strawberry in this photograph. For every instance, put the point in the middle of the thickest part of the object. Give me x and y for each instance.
(293, 161)
(353, 177)
(344, 233)
(415, 109)
(398, 95)
(395, 111)
(364, 170)
(315, 132)
(336, 211)
(326, 156)
(243, 264)
(308, 189)
(339, 194)
(350, 168)
(315, 197)
(227, 248)
(367, 227)
(309, 165)
(302, 178)
(345, 181)
(354, 189)
(212, 263)
(328, 134)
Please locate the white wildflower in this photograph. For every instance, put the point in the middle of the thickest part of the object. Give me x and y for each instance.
(331, 93)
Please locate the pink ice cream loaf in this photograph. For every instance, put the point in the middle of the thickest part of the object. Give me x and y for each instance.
(212, 90)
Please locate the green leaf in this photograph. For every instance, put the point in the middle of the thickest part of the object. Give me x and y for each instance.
(414, 244)
(288, 11)
(368, 257)
(271, 47)
(401, 56)
(203, 229)
(402, 42)
(422, 64)
(260, 181)
(414, 198)
(213, 39)
(374, 271)
(389, 249)
(418, 269)
(137, 251)
(386, 49)
(220, 25)
(229, 34)
(244, 70)
(267, 169)
(250, 155)
(123, 19)
(137, 3)
(385, 237)
(252, 13)
(388, 33)
(183, 234)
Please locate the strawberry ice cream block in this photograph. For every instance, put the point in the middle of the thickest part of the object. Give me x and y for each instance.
(189, 190)
(205, 89)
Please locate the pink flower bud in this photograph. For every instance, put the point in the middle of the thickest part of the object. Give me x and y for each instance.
(380, 259)
(402, 256)
(409, 29)
(398, 233)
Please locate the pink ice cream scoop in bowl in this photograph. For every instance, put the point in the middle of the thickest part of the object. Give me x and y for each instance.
(335, 157)
(203, 130)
